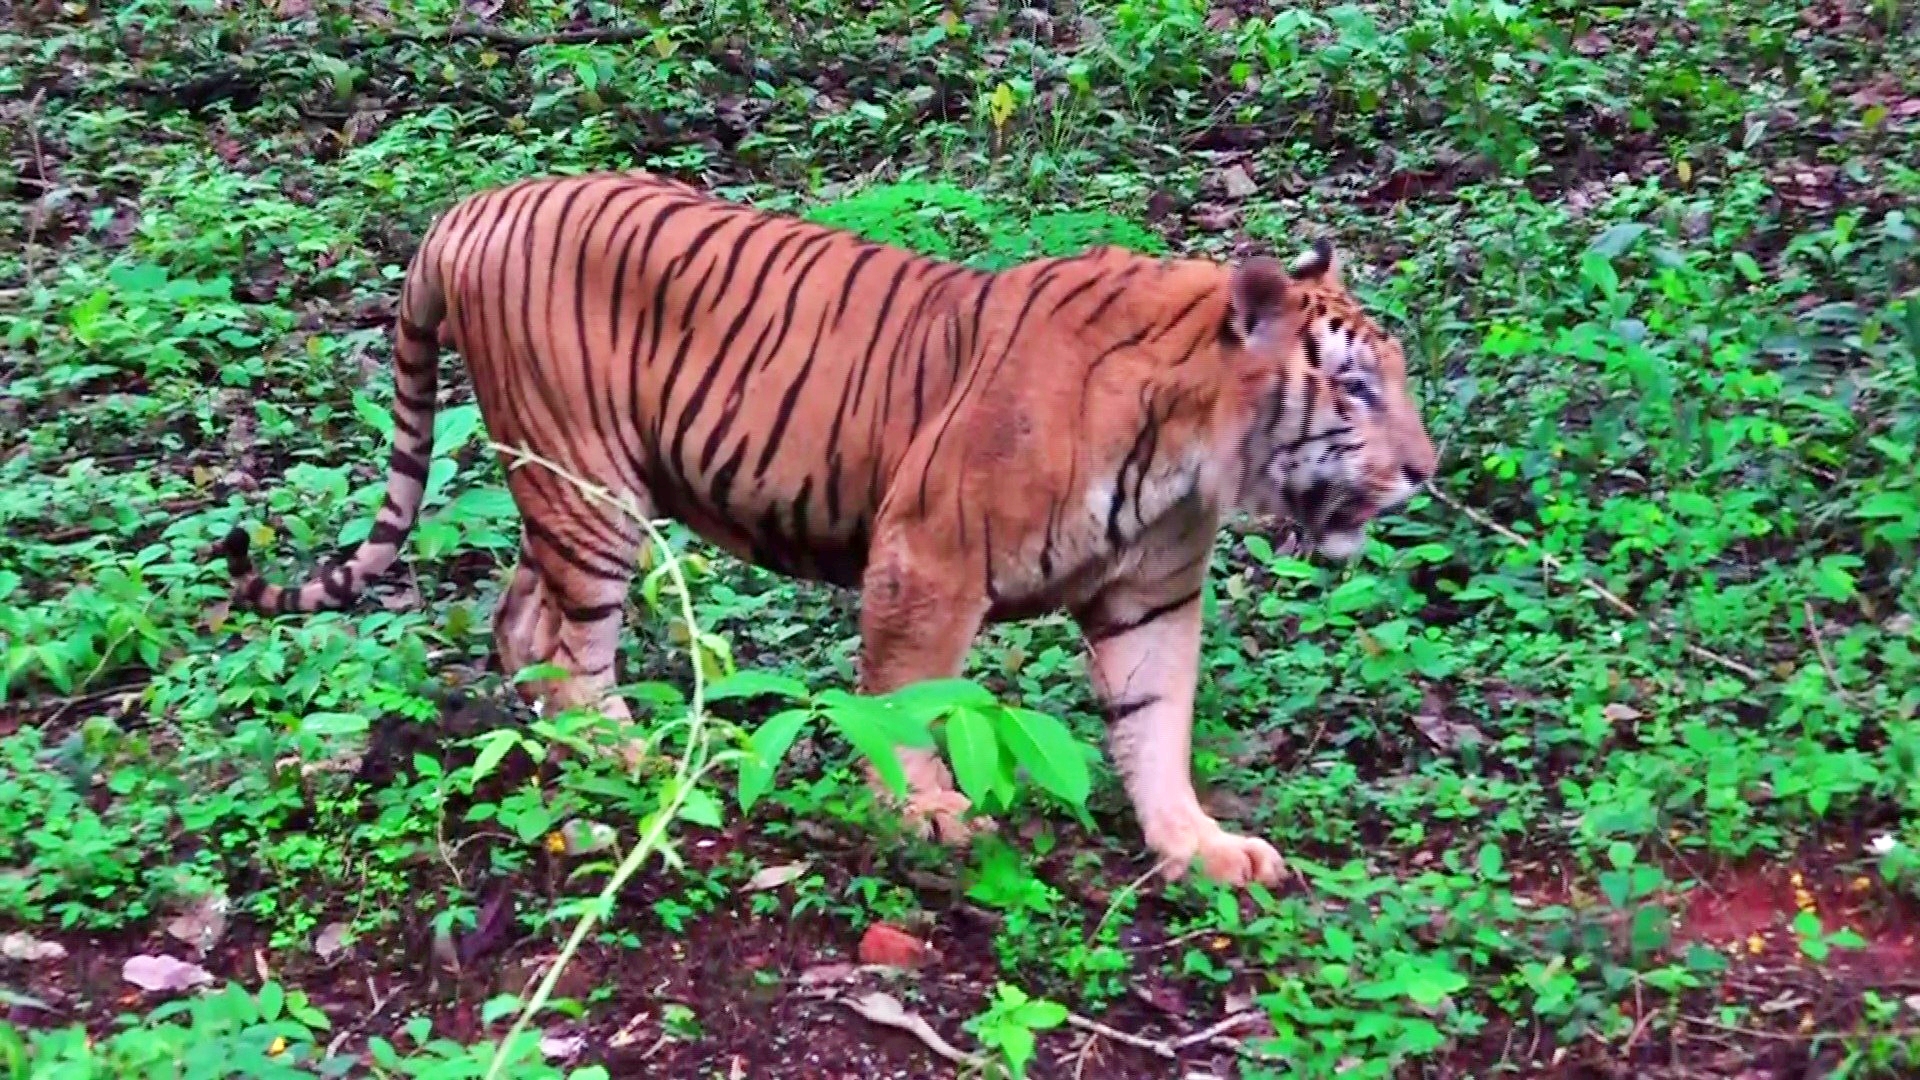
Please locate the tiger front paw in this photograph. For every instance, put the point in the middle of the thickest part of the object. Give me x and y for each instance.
(1228, 858)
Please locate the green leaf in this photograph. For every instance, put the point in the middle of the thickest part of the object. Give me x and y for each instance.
(375, 417)
(931, 699)
(1615, 241)
(1888, 504)
(769, 744)
(539, 671)
(1705, 960)
(1017, 1044)
(1650, 929)
(272, 998)
(1353, 594)
(751, 683)
(975, 753)
(868, 730)
(701, 808)
(1048, 751)
(453, 427)
(1041, 1014)
(1491, 862)
(1846, 938)
(493, 747)
(900, 725)
(333, 724)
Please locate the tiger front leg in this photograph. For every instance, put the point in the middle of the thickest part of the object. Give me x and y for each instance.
(918, 617)
(1145, 656)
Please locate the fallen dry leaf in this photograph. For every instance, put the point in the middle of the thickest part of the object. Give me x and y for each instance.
(562, 1047)
(20, 945)
(1237, 183)
(1214, 218)
(827, 974)
(773, 877)
(163, 974)
(203, 923)
(1620, 712)
(885, 1009)
(331, 941)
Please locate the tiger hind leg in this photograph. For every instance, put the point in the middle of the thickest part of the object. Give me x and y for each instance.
(566, 602)
(526, 627)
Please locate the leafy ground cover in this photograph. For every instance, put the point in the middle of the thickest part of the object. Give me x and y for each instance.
(1603, 761)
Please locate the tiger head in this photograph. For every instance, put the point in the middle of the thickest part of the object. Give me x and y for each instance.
(1334, 438)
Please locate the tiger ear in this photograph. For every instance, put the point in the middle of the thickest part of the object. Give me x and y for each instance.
(1256, 299)
(1318, 261)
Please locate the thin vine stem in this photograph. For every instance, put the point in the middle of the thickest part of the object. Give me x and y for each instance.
(693, 765)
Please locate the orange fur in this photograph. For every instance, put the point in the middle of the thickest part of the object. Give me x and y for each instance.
(966, 447)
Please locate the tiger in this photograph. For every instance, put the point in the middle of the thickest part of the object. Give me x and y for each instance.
(963, 446)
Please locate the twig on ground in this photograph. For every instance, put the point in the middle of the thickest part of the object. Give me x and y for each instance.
(885, 1009)
(1612, 599)
(1820, 650)
(1801, 1036)
(1167, 1048)
(379, 1006)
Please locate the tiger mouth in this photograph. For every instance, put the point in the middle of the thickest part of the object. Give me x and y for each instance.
(1348, 516)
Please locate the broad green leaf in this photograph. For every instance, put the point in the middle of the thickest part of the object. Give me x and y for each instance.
(1041, 1014)
(867, 730)
(902, 726)
(930, 699)
(493, 747)
(1616, 240)
(539, 671)
(1048, 751)
(752, 683)
(701, 808)
(272, 998)
(975, 753)
(375, 417)
(333, 724)
(769, 743)
(453, 427)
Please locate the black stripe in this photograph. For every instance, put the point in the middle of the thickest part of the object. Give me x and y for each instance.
(784, 415)
(715, 363)
(755, 359)
(864, 361)
(1109, 631)
(1179, 316)
(1120, 710)
(590, 614)
(1119, 289)
(853, 275)
(415, 405)
(407, 465)
(1074, 293)
(538, 531)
